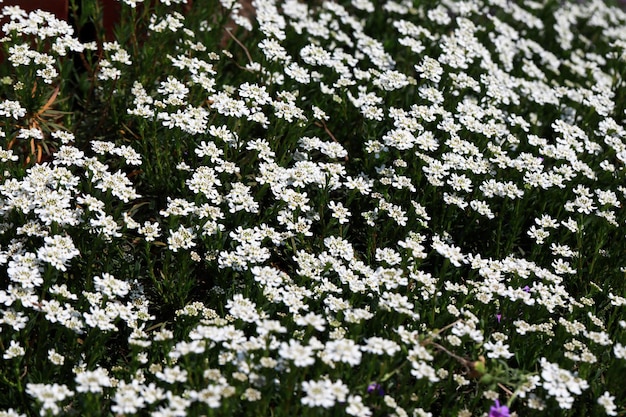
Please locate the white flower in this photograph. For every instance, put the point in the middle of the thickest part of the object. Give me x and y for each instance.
(339, 212)
(100, 318)
(181, 239)
(25, 270)
(342, 350)
(301, 355)
(57, 251)
(323, 393)
(380, 346)
(318, 394)
(55, 358)
(150, 231)
(127, 398)
(388, 255)
(239, 198)
(132, 3)
(421, 369)
(317, 321)
(110, 286)
(607, 401)
(92, 381)
(497, 350)
(451, 252)
(14, 350)
(11, 413)
(298, 73)
(561, 384)
(339, 247)
(242, 308)
(49, 396)
(10, 108)
(356, 407)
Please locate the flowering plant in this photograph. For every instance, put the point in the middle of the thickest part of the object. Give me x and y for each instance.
(314, 208)
(498, 410)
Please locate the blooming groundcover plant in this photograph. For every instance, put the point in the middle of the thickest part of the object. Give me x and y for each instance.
(331, 208)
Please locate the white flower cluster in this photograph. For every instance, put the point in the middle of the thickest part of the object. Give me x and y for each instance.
(422, 210)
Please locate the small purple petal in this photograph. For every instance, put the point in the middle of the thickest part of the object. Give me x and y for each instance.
(375, 387)
(498, 410)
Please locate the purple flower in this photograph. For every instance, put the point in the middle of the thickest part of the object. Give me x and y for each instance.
(375, 387)
(526, 288)
(498, 410)
(499, 317)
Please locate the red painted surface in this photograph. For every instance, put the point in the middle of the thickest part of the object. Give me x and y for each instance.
(110, 16)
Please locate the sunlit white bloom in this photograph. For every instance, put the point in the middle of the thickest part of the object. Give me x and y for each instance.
(14, 350)
(171, 22)
(561, 384)
(391, 80)
(273, 50)
(119, 185)
(150, 231)
(400, 139)
(92, 381)
(32, 133)
(127, 398)
(57, 251)
(314, 320)
(100, 318)
(182, 238)
(240, 198)
(342, 350)
(301, 355)
(380, 346)
(107, 72)
(131, 156)
(482, 208)
(132, 3)
(451, 252)
(430, 69)
(10, 108)
(55, 358)
(539, 234)
(323, 393)
(242, 308)
(388, 255)
(339, 247)
(356, 407)
(607, 401)
(105, 225)
(339, 212)
(422, 370)
(49, 396)
(298, 73)
(229, 106)
(497, 350)
(110, 286)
